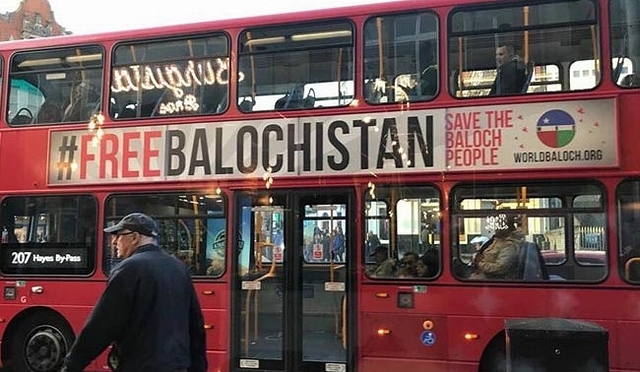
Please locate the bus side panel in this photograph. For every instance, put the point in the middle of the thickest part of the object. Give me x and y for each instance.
(370, 364)
(626, 352)
(214, 300)
(404, 336)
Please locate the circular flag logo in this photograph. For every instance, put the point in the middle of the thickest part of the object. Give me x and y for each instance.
(556, 128)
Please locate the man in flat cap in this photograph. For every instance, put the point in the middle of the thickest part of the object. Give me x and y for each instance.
(149, 311)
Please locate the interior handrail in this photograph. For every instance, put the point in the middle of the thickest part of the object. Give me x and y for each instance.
(627, 266)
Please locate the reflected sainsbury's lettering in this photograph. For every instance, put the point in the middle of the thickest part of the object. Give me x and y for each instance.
(171, 76)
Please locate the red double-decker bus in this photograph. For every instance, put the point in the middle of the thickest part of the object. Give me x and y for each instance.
(327, 177)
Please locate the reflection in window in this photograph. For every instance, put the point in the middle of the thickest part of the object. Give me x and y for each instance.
(401, 58)
(296, 67)
(324, 235)
(550, 232)
(178, 77)
(625, 38)
(48, 235)
(402, 237)
(628, 199)
(515, 49)
(55, 85)
(192, 227)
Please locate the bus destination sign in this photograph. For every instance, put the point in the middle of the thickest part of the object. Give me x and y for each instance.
(16, 257)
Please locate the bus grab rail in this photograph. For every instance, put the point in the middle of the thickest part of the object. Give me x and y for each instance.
(627, 267)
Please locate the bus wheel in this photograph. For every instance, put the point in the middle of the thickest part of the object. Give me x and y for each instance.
(40, 343)
(494, 358)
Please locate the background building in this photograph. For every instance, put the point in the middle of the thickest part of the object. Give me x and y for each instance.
(29, 19)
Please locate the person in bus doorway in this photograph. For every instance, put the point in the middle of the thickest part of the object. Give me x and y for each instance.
(338, 245)
(498, 258)
(149, 311)
(511, 72)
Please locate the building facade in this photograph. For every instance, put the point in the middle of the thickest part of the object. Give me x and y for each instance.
(30, 19)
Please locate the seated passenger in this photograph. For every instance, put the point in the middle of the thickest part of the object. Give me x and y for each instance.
(422, 269)
(511, 72)
(407, 267)
(431, 258)
(49, 113)
(631, 80)
(185, 258)
(498, 259)
(216, 268)
(384, 266)
(80, 100)
(429, 81)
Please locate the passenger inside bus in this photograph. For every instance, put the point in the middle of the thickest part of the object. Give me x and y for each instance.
(431, 259)
(422, 268)
(216, 268)
(83, 97)
(631, 80)
(511, 72)
(498, 259)
(429, 81)
(185, 258)
(49, 112)
(407, 267)
(384, 266)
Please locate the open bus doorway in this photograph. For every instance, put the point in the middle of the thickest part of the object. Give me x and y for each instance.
(292, 288)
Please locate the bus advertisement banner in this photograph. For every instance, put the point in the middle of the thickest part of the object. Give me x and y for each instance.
(524, 136)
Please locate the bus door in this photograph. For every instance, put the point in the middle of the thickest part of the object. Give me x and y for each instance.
(291, 297)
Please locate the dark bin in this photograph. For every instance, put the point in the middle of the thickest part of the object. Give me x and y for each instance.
(556, 345)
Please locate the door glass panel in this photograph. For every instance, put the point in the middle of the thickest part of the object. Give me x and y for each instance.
(323, 289)
(292, 267)
(260, 264)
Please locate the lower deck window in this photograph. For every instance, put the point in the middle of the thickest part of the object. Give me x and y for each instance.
(541, 232)
(192, 227)
(52, 235)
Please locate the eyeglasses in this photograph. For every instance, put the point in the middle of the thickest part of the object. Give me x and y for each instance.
(117, 236)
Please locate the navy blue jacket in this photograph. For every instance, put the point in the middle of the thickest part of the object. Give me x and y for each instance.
(150, 313)
(510, 78)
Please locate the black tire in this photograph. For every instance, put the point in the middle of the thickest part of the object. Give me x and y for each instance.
(40, 343)
(494, 358)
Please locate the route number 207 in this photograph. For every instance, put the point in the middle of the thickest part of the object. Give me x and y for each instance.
(20, 258)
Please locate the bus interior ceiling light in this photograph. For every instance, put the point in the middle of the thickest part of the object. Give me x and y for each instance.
(299, 37)
(57, 60)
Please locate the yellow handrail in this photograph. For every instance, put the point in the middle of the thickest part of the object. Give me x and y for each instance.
(627, 266)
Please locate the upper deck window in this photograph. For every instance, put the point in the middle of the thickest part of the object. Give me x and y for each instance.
(177, 77)
(296, 66)
(55, 85)
(401, 58)
(523, 49)
(625, 42)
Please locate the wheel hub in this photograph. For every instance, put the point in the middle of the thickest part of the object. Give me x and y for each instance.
(45, 350)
